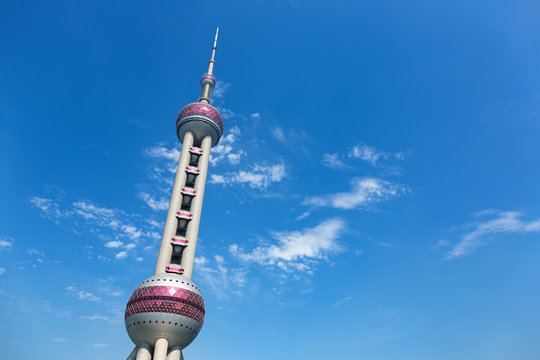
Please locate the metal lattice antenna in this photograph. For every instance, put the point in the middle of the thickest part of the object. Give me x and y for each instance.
(208, 82)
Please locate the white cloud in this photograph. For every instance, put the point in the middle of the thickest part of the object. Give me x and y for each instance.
(121, 255)
(96, 317)
(100, 345)
(132, 232)
(5, 242)
(225, 149)
(35, 252)
(333, 161)
(82, 294)
(278, 134)
(49, 208)
(60, 340)
(367, 153)
(505, 222)
(160, 151)
(341, 302)
(114, 244)
(293, 140)
(259, 177)
(297, 250)
(222, 280)
(2, 270)
(363, 152)
(155, 224)
(441, 243)
(113, 225)
(303, 215)
(217, 179)
(91, 211)
(155, 204)
(220, 89)
(364, 192)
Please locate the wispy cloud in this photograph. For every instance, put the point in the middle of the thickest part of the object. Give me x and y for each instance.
(100, 345)
(82, 294)
(502, 222)
(333, 161)
(303, 215)
(49, 208)
(372, 155)
(364, 191)
(2, 271)
(293, 140)
(114, 244)
(259, 176)
(5, 242)
(341, 302)
(164, 161)
(97, 219)
(367, 153)
(60, 339)
(220, 278)
(226, 150)
(220, 89)
(155, 203)
(296, 250)
(121, 255)
(100, 318)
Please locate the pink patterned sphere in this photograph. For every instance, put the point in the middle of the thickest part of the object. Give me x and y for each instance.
(166, 306)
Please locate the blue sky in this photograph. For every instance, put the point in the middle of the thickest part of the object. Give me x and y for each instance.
(375, 194)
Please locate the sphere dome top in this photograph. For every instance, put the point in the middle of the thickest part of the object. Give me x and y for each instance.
(202, 120)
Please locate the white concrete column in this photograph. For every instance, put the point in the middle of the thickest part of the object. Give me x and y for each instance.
(132, 354)
(143, 352)
(165, 250)
(175, 353)
(192, 232)
(160, 350)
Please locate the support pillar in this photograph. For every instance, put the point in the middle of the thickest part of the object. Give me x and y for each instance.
(175, 353)
(143, 352)
(132, 354)
(165, 251)
(160, 349)
(196, 207)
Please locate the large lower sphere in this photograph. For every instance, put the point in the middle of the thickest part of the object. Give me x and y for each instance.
(166, 306)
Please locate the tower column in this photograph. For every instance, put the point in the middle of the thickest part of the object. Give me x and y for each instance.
(143, 352)
(165, 250)
(133, 354)
(160, 350)
(175, 353)
(192, 232)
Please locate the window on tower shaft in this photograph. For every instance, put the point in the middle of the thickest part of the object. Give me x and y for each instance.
(181, 228)
(176, 257)
(186, 201)
(194, 159)
(190, 180)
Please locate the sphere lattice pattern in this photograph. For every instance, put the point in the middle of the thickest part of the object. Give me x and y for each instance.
(165, 306)
(201, 120)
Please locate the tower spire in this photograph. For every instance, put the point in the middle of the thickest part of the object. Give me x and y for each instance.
(208, 82)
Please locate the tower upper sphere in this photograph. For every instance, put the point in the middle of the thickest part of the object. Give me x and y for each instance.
(200, 118)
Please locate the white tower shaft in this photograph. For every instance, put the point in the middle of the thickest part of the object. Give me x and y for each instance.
(177, 236)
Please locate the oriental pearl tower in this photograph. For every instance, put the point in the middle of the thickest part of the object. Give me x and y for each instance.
(166, 312)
